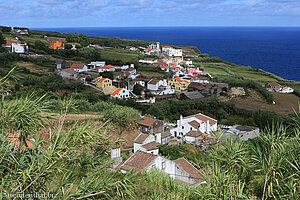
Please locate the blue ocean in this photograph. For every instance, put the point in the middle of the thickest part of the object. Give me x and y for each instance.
(273, 49)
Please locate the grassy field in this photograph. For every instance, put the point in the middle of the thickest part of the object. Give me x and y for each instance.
(117, 54)
(34, 68)
(219, 70)
(285, 103)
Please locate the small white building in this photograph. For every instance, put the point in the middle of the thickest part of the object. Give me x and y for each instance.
(287, 90)
(96, 64)
(166, 49)
(146, 143)
(79, 67)
(193, 136)
(107, 68)
(121, 93)
(16, 47)
(155, 46)
(68, 73)
(179, 169)
(197, 122)
(170, 51)
(159, 87)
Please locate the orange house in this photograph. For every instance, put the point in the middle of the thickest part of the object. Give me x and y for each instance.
(56, 45)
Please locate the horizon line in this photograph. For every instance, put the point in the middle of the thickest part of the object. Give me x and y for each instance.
(188, 26)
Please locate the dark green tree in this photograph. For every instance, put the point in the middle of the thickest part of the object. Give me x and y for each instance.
(68, 46)
(2, 40)
(109, 75)
(137, 89)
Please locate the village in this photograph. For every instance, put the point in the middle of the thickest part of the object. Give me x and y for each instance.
(185, 81)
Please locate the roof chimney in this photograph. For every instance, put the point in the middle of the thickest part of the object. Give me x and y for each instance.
(207, 126)
(181, 120)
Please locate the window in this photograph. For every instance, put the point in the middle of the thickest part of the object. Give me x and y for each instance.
(163, 165)
(182, 127)
(191, 128)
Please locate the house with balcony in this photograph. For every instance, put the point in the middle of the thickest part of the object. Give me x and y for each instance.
(198, 122)
(159, 87)
(179, 84)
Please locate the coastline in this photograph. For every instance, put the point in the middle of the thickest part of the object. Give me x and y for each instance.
(273, 49)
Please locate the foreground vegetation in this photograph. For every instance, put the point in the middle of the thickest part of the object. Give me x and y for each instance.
(74, 163)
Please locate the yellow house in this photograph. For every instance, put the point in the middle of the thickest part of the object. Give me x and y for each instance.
(178, 84)
(105, 84)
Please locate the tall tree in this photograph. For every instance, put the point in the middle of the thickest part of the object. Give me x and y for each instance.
(2, 40)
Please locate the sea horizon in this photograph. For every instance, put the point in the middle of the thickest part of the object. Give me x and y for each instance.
(271, 48)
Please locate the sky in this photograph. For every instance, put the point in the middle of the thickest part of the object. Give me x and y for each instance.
(135, 13)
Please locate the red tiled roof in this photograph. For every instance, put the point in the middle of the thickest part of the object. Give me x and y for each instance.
(14, 138)
(153, 81)
(148, 49)
(147, 121)
(274, 84)
(77, 65)
(194, 124)
(101, 80)
(163, 96)
(117, 91)
(151, 146)
(107, 67)
(166, 47)
(203, 118)
(165, 134)
(138, 161)
(193, 134)
(70, 70)
(178, 79)
(188, 168)
(141, 138)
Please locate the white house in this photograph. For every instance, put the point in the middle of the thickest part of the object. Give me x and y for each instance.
(170, 51)
(287, 90)
(121, 93)
(138, 81)
(146, 143)
(165, 49)
(16, 47)
(197, 122)
(179, 169)
(79, 67)
(131, 48)
(175, 52)
(155, 46)
(95, 64)
(163, 138)
(193, 136)
(159, 87)
(107, 68)
(68, 73)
